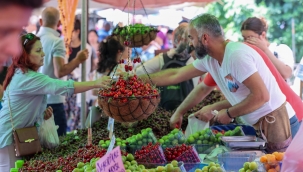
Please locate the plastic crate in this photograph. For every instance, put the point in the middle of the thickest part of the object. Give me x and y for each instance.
(233, 161)
(247, 130)
(155, 156)
(277, 166)
(133, 148)
(204, 148)
(172, 140)
(189, 156)
(137, 143)
(14, 170)
(191, 167)
(154, 165)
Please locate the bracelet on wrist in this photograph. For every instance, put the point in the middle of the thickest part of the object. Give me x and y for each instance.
(228, 114)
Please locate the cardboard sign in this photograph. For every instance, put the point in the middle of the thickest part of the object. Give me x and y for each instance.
(111, 162)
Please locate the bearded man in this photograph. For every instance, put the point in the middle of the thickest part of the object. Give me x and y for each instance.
(251, 90)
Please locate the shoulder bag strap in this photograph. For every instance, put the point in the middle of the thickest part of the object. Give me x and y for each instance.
(10, 110)
(111, 70)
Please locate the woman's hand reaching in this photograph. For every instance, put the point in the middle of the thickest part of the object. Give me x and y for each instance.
(48, 113)
(103, 82)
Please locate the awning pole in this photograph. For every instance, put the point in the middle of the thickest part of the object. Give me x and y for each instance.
(83, 46)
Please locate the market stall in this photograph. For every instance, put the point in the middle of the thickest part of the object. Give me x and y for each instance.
(204, 148)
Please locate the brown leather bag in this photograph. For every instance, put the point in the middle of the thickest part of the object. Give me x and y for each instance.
(26, 140)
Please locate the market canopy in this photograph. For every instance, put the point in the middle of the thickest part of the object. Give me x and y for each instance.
(149, 5)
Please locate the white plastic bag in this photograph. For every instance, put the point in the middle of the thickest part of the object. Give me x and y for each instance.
(293, 159)
(48, 133)
(194, 125)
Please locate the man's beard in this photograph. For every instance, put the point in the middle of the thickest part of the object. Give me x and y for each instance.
(201, 51)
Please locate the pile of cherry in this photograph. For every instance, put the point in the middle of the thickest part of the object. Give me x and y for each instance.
(150, 154)
(154, 154)
(185, 153)
(68, 163)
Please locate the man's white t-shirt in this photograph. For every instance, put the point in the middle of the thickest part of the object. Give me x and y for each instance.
(240, 62)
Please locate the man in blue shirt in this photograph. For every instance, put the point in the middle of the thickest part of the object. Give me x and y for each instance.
(54, 62)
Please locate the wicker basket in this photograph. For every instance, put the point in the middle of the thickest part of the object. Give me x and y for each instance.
(138, 39)
(135, 109)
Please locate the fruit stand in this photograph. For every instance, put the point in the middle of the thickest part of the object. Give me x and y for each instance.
(150, 145)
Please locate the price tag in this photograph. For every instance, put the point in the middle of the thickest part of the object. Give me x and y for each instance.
(112, 144)
(111, 131)
(111, 121)
(111, 162)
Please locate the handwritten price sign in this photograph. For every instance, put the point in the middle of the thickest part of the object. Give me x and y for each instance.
(111, 162)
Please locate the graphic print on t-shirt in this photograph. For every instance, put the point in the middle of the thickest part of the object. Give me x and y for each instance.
(231, 83)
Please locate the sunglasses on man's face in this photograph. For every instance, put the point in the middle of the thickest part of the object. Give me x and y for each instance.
(28, 37)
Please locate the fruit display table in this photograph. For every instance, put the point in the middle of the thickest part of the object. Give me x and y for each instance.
(150, 145)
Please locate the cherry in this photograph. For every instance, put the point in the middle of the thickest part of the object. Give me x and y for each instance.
(127, 43)
(126, 68)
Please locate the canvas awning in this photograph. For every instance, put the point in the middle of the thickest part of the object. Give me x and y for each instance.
(149, 5)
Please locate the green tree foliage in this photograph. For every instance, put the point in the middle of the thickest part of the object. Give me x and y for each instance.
(278, 13)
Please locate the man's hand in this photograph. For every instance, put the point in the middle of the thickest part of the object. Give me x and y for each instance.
(103, 82)
(48, 113)
(205, 114)
(222, 117)
(176, 120)
(82, 55)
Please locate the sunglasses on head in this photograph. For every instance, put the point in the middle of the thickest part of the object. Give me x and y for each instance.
(28, 37)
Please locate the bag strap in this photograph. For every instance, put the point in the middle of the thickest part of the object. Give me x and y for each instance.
(10, 109)
(166, 58)
(111, 70)
(275, 50)
(168, 61)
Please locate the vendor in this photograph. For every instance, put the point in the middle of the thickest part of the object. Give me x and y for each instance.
(255, 34)
(251, 90)
(27, 91)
